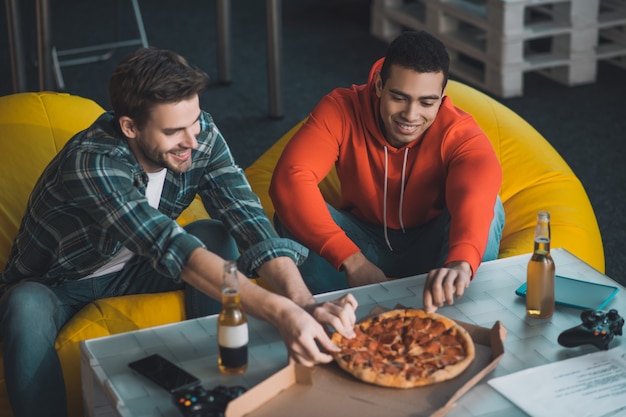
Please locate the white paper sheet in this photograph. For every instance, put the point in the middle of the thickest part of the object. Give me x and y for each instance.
(593, 385)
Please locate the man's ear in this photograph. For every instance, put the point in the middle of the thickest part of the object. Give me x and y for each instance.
(379, 84)
(128, 127)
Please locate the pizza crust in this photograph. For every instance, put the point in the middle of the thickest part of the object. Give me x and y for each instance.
(406, 348)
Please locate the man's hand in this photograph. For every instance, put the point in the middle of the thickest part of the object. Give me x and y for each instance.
(305, 338)
(360, 271)
(340, 314)
(444, 284)
(302, 330)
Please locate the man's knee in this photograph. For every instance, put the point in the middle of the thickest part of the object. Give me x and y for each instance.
(26, 296)
(28, 305)
(499, 217)
(495, 232)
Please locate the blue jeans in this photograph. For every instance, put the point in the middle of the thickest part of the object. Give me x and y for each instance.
(32, 314)
(415, 251)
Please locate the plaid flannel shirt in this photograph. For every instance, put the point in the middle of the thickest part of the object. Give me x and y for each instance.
(90, 202)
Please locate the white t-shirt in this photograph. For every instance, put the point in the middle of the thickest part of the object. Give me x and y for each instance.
(154, 190)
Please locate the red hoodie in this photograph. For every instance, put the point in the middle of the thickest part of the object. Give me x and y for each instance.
(452, 163)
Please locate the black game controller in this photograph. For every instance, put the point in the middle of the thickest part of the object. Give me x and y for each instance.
(198, 402)
(596, 329)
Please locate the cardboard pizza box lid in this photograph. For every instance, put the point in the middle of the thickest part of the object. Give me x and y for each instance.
(327, 390)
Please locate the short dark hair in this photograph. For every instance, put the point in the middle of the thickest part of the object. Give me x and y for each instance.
(152, 76)
(418, 51)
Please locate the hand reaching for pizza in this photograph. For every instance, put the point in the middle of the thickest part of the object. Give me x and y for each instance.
(445, 284)
(306, 340)
(339, 314)
(304, 332)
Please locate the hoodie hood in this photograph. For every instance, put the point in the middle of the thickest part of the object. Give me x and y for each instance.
(370, 103)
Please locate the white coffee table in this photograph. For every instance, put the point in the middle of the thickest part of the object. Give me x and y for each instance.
(110, 388)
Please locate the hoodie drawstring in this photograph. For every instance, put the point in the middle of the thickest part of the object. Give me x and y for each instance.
(406, 155)
(385, 200)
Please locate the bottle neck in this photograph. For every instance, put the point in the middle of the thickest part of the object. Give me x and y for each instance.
(542, 233)
(542, 245)
(231, 298)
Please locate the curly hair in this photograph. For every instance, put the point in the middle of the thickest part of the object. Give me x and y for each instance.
(419, 51)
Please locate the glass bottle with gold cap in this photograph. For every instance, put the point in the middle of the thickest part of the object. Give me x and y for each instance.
(232, 326)
(540, 272)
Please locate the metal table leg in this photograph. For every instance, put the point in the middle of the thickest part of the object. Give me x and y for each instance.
(274, 48)
(44, 46)
(16, 46)
(223, 42)
(274, 59)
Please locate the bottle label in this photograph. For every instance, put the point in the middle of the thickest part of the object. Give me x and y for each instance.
(233, 358)
(233, 336)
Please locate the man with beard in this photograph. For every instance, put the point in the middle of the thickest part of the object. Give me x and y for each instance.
(100, 222)
(419, 180)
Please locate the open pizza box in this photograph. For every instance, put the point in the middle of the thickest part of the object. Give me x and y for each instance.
(327, 390)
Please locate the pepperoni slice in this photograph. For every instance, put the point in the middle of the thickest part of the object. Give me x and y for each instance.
(448, 339)
(387, 338)
(454, 351)
(393, 369)
(420, 323)
(446, 360)
(437, 328)
(423, 338)
(432, 347)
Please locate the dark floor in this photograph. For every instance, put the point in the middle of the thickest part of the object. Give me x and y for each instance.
(327, 44)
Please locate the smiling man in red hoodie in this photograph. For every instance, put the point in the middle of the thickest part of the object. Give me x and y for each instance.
(419, 180)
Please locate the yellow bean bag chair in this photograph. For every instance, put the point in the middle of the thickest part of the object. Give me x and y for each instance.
(535, 177)
(33, 128)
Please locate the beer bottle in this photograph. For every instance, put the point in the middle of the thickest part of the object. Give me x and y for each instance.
(232, 327)
(540, 272)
